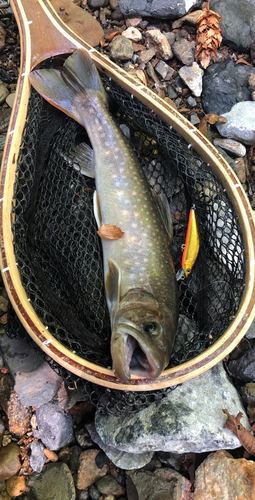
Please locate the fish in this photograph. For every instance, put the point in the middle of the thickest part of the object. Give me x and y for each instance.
(191, 247)
(139, 275)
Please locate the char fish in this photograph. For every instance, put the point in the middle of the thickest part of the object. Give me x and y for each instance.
(140, 281)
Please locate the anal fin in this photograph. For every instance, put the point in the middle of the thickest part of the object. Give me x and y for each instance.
(83, 159)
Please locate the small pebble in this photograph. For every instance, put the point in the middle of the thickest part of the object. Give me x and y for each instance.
(234, 147)
(121, 48)
(146, 56)
(251, 82)
(133, 22)
(132, 34)
(4, 92)
(191, 101)
(64, 454)
(51, 455)
(194, 119)
(94, 492)
(10, 99)
(171, 92)
(109, 486)
(164, 70)
(113, 4)
(143, 24)
(16, 485)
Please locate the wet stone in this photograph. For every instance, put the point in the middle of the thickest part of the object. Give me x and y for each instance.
(133, 21)
(121, 48)
(55, 481)
(225, 84)
(171, 459)
(73, 461)
(120, 458)
(37, 457)
(55, 427)
(9, 461)
(146, 56)
(221, 476)
(240, 123)
(4, 92)
(191, 101)
(187, 419)
(16, 485)
(192, 76)
(240, 170)
(156, 39)
(183, 50)
(88, 472)
(109, 486)
(132, 34)
(94, 492)
(244, 367)
(35, 381)
(157, 8)
(18, 416)
(164, 70)
(238, 22)
(234, 147)
(171, 92)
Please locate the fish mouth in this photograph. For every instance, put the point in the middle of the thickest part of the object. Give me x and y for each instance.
(130, 354)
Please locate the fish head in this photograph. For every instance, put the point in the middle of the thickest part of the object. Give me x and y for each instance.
(143, 332)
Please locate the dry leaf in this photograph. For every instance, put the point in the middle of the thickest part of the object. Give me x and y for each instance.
(212, 119)
(79, 21)
(208, 35)
(109, 232)
(245, 437)
(112, 36)
(241, 60)
(203, 126)
(141, 75)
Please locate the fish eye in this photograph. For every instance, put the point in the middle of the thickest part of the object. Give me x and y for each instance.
(150, 328)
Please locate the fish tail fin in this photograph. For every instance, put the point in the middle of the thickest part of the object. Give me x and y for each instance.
(64, 89)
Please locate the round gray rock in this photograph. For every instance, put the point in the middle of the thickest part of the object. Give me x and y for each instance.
(55, 427)
(238, 22)
(240, 123)
(225, 84)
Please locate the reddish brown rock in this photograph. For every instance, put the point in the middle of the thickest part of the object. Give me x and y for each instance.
(18, 415)
(9, 461)
(88, 472)
(221, 476)
(16, 485)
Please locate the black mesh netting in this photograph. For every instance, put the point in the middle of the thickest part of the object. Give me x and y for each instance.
(58, 251)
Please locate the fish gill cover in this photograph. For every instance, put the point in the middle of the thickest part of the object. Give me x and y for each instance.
(58, 250)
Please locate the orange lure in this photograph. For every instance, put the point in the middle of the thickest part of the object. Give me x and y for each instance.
(191, 248)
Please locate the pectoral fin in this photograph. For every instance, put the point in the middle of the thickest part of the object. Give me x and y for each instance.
(83, 156)
(164, 210)
(112, 284)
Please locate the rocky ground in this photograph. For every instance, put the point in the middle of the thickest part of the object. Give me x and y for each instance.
(53, 444)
